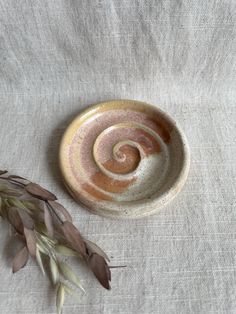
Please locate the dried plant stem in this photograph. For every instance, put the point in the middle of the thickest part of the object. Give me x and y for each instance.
(54, 212)
(48, 235)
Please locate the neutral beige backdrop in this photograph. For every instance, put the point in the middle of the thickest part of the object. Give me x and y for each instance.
(57, 57)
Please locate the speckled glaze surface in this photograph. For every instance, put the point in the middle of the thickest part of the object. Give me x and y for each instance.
(124, 159)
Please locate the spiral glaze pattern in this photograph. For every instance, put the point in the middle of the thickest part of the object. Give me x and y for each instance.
(119, 157)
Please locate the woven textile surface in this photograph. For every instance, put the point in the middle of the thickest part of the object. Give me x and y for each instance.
(56, 58)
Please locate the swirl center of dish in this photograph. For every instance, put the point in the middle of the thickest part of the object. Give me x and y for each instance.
(120, 155)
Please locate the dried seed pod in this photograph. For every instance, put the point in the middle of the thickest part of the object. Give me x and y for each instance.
(68, 273)
(20, 259)
(94, 248)
(61, 210)
(54, 271)
(15, 220)
(74, 237)
(30, 241)
(60, 298)
(66, 251)
(25, 218)
(48, 221)
(43, 237)
(39, 192)
(39, 260)
(100, 269)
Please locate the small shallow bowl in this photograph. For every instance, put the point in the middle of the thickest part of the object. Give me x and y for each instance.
(124, 159)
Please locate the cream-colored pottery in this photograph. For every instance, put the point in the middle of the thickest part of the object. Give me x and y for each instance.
(124, 159)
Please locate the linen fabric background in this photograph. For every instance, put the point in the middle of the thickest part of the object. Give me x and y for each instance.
(57, 57)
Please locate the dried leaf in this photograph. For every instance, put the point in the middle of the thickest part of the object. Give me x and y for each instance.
(65, 251)
(100, 269)
(3, 172)
(54, 271)
(20, 259)
(39, 192)
(58, 207)
(39, 260)
(74, 237)
(94, 248)
(60, 298)
(48, 221)
(30, 241)
(68, 273)
(15, 220)
(25, 218)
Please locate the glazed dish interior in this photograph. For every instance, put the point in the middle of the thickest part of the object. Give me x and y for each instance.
(122, 153)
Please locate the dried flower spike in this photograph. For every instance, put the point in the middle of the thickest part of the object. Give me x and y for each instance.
(48, 234)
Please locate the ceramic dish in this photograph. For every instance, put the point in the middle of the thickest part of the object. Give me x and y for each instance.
(124, 159)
